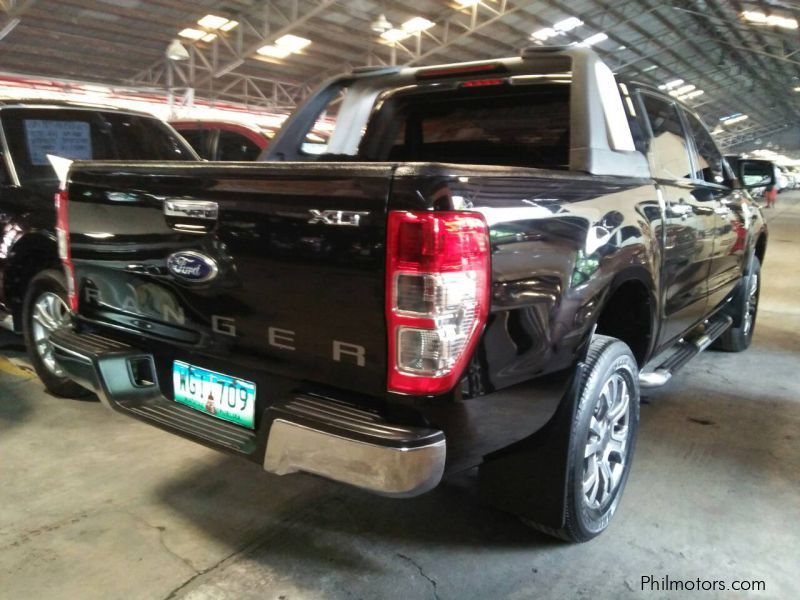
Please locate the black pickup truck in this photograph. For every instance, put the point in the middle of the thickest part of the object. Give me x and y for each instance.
(32, 287)
(482, 267)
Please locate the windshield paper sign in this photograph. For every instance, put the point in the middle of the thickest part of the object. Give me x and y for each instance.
(68, 139)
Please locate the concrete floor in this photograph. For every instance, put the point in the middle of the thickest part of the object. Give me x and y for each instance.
(95, 505)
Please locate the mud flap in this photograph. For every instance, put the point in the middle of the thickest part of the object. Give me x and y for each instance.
(530, 477)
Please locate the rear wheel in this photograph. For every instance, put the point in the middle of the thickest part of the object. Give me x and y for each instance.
(603, 438)
(743, 307)
(44, 310)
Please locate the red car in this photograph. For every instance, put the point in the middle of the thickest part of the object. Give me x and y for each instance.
(222, 140)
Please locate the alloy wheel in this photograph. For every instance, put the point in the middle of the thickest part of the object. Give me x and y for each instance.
(606, 448)
(49, 313)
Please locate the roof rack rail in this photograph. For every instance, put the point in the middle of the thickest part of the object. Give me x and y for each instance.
(375, 70)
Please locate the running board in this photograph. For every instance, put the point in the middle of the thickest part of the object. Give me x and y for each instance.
(684, 351)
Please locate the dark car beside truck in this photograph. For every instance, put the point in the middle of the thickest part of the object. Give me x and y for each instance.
(483, 267)
(32, 287)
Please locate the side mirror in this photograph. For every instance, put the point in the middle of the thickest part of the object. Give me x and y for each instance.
(756, 173)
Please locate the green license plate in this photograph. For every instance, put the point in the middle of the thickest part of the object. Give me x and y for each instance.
(218, 395)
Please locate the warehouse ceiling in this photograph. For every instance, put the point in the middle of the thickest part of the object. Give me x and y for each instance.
(737, 66)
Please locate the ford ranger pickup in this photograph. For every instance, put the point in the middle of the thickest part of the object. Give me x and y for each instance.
(482, 266)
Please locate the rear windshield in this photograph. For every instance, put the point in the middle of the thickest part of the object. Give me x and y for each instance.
(524, 126)
(33, 133)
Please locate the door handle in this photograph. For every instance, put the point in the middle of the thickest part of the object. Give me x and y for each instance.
(191, 216)
(192, 209)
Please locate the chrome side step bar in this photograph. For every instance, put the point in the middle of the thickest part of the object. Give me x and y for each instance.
(684, 351)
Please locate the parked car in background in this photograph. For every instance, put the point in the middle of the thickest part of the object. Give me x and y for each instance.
(32, 286)
(223, 140)
(481, 266)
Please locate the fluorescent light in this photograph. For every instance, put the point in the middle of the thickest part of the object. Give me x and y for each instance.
(209, 37)
(273, 51)
(568, 24)
(759, 18)
(544, 34)
(212, 22)
(192, 34)
(650, 68)
(785, 22)
(797, 89)
(754, 16)
(684, 89)
(732, 119)
(467, 3)
(417, 24)
(230, 25)
(292, 43)
(395, 35)
(691, 95)
(594, 39)
(671, 84)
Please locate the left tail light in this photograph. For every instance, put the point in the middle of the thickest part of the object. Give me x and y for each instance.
(64, 252)
(437, 297)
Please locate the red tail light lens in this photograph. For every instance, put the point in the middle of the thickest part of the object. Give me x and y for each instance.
(64, 253)
(437, 297)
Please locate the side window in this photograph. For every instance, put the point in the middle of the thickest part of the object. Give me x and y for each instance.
(709, 158)
(197, 140)
(4, 178)
(234, 146)
(668, 149)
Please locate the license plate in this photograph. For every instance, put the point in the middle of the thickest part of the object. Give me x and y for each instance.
(218, 395)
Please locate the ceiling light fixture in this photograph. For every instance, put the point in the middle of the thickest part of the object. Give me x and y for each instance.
(417, 24)
(177, 51)
(381, 24)
(594, 39)
(560, 27)
(567, 24)
(671, 84)
(212, 22)
(192, 34)
(284, 46)
(733, 119)
(395, 35)
(759, 18)
(684, 89)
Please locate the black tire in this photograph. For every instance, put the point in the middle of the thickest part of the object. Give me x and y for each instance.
(743, 308)
(587, 514)
(46, 286)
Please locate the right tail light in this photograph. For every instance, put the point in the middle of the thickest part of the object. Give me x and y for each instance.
(437, 297)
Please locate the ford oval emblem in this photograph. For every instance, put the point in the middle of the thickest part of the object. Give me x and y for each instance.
(192, 266)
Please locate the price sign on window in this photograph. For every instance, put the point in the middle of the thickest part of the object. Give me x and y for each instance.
(67, 139)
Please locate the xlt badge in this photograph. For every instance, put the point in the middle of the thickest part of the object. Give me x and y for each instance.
(348, 218)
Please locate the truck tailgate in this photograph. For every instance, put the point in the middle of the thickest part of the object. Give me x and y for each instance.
(272, 268)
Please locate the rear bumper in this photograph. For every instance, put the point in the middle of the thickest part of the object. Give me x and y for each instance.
(299, 433)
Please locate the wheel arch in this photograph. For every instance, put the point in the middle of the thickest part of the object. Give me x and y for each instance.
(31, 254)
(628, 312)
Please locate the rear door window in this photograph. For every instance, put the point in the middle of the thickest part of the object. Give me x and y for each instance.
(78, 134)
(668, 149)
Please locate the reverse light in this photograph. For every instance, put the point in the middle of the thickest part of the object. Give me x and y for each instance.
(437, 297)
(64, 252)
